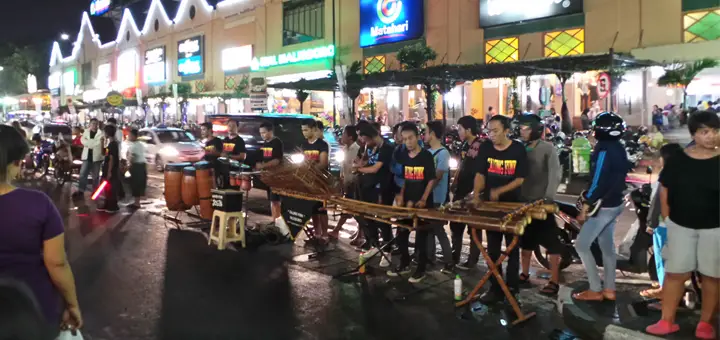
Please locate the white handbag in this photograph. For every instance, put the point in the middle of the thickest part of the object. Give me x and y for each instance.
(68, 335)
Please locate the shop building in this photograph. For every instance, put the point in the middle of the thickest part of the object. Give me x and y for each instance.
(220, 48)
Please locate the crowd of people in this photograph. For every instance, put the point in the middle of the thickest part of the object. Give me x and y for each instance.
(515, 164)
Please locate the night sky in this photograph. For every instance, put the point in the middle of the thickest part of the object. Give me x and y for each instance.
(35, 21)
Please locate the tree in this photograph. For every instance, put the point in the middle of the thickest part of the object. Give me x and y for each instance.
(17, 63)
(418, 56)
(301, 96)
(353, 86)
(681, 75)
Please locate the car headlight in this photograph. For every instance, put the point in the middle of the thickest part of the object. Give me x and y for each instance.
(453, 164)
(169, 151)
(297, 158)
(340, 156)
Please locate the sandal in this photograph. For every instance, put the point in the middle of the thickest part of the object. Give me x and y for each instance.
(652, 293)
(609, 295)
(550, 289)
(588, 295)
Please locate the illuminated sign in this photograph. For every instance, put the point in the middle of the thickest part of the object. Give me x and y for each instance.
(114, 98)
(69, 81)
(54, 81)
(31, 83)
(390, 21)
(294, 57)
(190, 56)
(127, 69)
(501, 12)
(235, 58)
(99, 7)
(154, 68)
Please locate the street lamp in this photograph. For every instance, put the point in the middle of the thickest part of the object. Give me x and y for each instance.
(64, 36)
(1, 68)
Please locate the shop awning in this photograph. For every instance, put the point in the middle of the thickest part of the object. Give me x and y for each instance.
(558, 65)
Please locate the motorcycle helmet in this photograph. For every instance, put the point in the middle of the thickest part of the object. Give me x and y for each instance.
(608, 126)
(531, 120)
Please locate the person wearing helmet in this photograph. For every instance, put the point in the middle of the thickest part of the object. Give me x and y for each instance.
(602, 203)
(542, 180)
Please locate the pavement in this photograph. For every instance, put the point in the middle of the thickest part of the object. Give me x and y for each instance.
(139, 275)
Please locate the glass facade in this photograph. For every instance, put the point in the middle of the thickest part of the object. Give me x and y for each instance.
(501, 50)
(565, 42)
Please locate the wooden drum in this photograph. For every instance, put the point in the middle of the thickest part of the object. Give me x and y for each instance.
(205, 182)
(173, 186)
(189, 187)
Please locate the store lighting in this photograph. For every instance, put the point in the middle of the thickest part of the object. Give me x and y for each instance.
(294, 57)
(156, 5)
(289, 78)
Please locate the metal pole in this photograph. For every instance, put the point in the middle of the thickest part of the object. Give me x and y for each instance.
(612, 80)
(335, 120)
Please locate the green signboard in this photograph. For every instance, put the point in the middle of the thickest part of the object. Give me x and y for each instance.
(295, 57)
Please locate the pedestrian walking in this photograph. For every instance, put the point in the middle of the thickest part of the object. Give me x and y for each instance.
(93, 143)
(138, 168)
(32, 240)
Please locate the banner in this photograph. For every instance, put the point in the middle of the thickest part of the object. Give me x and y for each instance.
(390, 21)
(296, 213)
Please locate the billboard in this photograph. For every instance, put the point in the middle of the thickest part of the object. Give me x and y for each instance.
(154, 67)
(501, 12)
(390, 21)
(190, 56)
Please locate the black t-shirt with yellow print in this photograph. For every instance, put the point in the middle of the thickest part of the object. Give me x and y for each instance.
(418, 171)
(213, 144)
(312, 151)
(272, 149)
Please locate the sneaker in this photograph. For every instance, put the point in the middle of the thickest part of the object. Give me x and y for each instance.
(417, 277)
(465, 265)
(385, 260)
(704, 330)
(491, 297)
(448, 269)
(400, 270)
(371, 252)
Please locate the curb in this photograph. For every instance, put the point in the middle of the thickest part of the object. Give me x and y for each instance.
(614, 332)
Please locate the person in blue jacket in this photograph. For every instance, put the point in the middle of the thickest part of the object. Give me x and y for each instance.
(602, 204)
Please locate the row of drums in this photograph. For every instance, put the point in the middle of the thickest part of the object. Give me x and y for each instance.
(187, 186)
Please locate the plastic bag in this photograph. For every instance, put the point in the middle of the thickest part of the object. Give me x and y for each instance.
(624, 247)
(68, 335)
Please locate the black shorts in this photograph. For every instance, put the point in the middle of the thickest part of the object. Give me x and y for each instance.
(544, 233)
(272, 197)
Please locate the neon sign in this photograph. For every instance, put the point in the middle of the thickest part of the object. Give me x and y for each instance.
(235, 58)
(501, 12)
(190, 56)
(155, 65)
(390, 21)
(317, 53)
(99, 7)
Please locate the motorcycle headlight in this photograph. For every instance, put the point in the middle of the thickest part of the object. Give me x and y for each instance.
(169, 151)
(297, 158)
(453, 164)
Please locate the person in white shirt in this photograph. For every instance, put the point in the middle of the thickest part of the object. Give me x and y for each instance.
(92, 156)
(138, 168)
(348, 178)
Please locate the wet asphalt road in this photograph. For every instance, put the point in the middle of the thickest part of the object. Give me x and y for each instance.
(140, 277)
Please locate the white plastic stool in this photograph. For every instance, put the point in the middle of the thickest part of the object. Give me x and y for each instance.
(227, 227)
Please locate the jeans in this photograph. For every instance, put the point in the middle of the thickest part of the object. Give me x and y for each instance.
(602, 228)
(494, 248)
(88, 168)
(438, 230)
(457, 230)
(372, 195)
(659, 240)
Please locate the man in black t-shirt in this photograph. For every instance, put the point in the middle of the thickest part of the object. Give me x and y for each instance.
(316, 152)
(419, 178)
(213, 145)
(234, 145)
(271, 155)
(375, 183)
(462, 186)
(500, 170)
(110, 171)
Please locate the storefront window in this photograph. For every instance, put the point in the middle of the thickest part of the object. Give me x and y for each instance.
(701, 26)
(374, 64)
(303, 21)
(567, 42)
(501, 50)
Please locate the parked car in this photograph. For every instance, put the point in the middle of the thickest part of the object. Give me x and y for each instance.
(168, 145)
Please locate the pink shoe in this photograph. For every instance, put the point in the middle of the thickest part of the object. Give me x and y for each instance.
(662, 328)
(704, 330)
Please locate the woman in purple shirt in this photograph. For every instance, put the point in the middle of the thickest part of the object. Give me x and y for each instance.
(32, 239)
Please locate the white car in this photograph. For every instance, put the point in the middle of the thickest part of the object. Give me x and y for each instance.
(168, 145)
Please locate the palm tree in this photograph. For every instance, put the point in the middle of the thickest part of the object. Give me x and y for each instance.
(681, 75)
